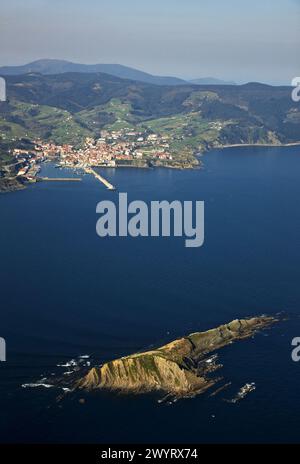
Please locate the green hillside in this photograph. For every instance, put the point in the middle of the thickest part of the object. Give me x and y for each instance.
(69, 107)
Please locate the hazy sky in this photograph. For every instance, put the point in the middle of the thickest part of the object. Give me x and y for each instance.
(230, 39)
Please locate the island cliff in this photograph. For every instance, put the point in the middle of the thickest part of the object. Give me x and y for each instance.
(180, 368)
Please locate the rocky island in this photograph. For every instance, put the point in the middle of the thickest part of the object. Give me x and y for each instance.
(182, 368)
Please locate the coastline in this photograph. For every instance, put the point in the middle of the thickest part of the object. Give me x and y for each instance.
(8, 185)
(270, 145)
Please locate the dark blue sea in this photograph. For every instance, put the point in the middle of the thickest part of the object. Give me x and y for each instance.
(65, 292)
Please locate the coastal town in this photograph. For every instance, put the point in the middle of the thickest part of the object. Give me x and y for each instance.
(116, 148)
(112, 149)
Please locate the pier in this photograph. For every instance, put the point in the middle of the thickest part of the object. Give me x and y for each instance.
(59, 179)
(105, 182)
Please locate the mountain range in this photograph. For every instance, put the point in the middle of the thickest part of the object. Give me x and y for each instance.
(48, 66)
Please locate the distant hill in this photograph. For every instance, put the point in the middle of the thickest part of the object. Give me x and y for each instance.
(62, 66)
(211, 81)
(124, 72)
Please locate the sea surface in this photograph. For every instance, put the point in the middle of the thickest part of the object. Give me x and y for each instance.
(65, 292)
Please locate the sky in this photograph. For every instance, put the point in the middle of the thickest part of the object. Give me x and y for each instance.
(229, 39)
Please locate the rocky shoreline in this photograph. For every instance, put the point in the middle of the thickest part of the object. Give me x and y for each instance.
(10, 184)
